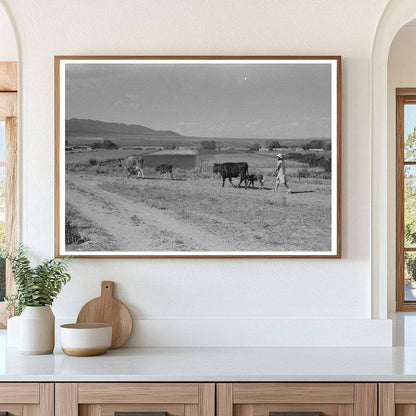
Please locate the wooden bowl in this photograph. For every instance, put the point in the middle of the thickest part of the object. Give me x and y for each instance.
(85, 340)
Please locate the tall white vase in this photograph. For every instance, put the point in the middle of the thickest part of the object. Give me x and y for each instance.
(37, 330)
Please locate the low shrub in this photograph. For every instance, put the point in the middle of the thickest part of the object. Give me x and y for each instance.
(72, 235)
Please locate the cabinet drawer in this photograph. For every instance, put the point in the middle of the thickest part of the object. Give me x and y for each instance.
(297, 399)
(152, 399)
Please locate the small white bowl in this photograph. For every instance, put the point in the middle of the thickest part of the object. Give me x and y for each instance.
(84, 340)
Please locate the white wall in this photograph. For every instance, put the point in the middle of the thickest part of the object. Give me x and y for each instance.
(8, 47)
(179, 302)
(401, 74)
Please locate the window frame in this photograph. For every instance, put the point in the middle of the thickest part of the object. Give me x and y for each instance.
(8, 112)
(403, 96)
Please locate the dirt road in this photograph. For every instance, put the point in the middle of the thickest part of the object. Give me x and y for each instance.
(133, 224)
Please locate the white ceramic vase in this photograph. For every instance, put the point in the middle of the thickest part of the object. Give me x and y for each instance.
(37, 330)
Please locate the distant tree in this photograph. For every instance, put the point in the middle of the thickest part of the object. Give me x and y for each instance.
(410, 267)
(314, 144)
(208, 145)
(104, 144)
(2, 281)
(170, 147)
(327, 146)
(2, 234)
(410, 208)
(410, 191)
(273, 145)
(255, 147)
(410, 146)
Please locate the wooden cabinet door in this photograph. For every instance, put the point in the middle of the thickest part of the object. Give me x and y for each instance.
(397, 399)
(27, 399)
(297, 399)
(146, 399)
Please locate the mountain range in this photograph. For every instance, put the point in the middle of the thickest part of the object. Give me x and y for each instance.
(87, 127)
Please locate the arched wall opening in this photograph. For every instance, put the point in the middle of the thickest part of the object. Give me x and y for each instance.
(401, 73)
(8, 150)
(396, 15)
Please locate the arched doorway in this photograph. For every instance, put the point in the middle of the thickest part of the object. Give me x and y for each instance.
(396, 14)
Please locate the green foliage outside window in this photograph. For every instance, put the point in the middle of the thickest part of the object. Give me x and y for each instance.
(410, 192)
(2, 233)
(410, 207)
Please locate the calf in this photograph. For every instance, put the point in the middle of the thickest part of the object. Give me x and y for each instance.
(165, 169)
(256, 178)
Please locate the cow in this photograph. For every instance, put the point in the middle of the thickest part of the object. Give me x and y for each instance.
(165, 170)
(232, 170)
(256, 178)
(132, 166)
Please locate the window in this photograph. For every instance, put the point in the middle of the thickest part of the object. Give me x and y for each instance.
(8, 172)
(2, 206)
(406, 199)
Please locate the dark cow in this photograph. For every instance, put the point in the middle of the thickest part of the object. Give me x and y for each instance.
(165, 170)
(255, 178)
(132, 166)
(232, 170)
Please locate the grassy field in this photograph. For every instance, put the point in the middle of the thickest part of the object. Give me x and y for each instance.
(112, 212)
(102, 155)
(185, 163)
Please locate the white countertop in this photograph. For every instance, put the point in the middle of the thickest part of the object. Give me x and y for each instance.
(213, 364)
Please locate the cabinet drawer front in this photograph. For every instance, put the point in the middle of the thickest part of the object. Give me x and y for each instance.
(138, 393)
(295, 409)
(252, 393)
(405, 393)
(111, 409)
(27, 393)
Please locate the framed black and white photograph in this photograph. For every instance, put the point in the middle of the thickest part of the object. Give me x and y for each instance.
(198, 156)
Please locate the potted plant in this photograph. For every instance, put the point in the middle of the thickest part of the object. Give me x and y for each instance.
(36, 289)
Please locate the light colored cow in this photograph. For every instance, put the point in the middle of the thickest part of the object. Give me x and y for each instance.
(133, 166)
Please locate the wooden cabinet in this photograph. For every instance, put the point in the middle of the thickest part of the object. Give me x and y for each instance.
(397, 399)
(27, 399)
(208, 399)
(297, 399)
(106, 399)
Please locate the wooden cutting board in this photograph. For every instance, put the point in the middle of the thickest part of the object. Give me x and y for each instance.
(107, 309)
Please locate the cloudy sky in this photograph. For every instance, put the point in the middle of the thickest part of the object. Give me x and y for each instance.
(409, 119)
(211, 100)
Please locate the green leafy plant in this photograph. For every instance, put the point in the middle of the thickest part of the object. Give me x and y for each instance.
(35, 286)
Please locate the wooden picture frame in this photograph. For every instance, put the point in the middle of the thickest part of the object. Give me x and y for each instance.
(82, 125)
